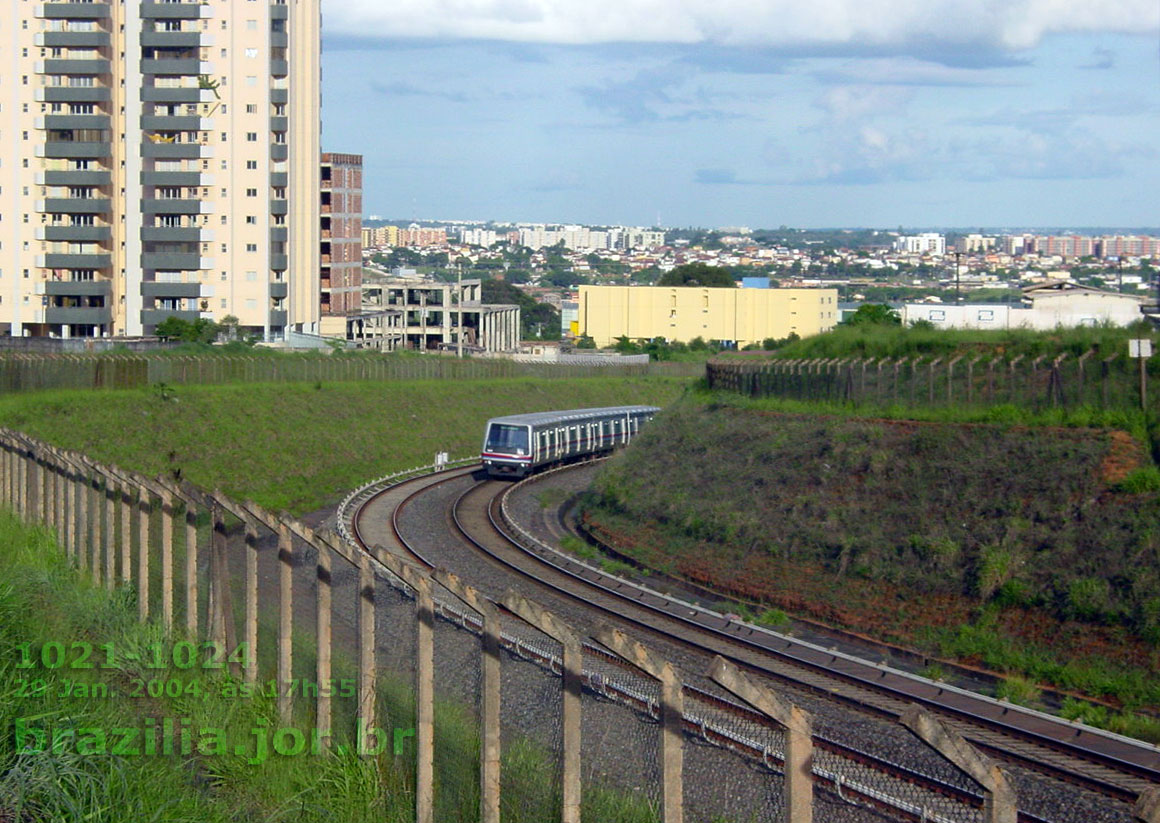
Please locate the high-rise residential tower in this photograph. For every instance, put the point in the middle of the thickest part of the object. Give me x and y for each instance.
(158, 159)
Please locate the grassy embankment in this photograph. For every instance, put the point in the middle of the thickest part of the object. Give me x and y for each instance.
(1031, 549)
(67, 767)
(298, 447)
(295, 447)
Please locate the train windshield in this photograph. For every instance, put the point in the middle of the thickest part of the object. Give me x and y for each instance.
(507, 439)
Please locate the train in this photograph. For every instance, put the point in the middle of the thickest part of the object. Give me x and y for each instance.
(520, 444)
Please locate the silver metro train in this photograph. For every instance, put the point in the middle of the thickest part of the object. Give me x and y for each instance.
(519, 444)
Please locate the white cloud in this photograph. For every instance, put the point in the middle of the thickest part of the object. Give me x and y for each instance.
(1004, 24)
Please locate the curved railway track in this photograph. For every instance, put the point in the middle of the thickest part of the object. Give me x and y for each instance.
(1108, 764)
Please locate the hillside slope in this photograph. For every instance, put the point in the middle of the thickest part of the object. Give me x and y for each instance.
(910, 531)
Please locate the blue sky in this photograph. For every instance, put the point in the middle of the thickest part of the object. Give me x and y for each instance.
(881, 113)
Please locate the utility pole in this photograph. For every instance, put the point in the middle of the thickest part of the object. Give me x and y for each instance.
(459, 306)
(958, 296)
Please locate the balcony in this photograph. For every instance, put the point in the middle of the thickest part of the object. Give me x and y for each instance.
(279, 39)
(175, 151)
(75, 234)
(152, 288)
(76, 288)
(174, 11)
(279, 151)
(76, 39)
(278, 290)
(279, 234)
(277, 317)
(73, 11)
(73, 149)
(279, 68)
(151, 317)
(96, 66)
(175, 66)
(175, 234)
(62, 122)
(175, 205)
(171, 39)
(162, 94)
(278, 207)
(171, 261)
(78, 315)
(278, 124)
(279, 179)
(73, 177)
(71, 94)
(74, 261)
(279, 96)
(278, 11)
(175, 122)
(279, 262)
(74, 205)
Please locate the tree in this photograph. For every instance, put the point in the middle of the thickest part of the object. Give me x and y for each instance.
(199, 331)
(698, 274)
(874, 314)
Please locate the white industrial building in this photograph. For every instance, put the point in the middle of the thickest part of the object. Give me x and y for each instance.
(1046, 306)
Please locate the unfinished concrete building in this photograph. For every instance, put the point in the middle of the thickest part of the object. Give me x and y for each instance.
(430, 316)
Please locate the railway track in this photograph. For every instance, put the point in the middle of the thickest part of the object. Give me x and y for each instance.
(1108, 764)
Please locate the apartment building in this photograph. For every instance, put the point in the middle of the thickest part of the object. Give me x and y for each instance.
(341, 249)
(158, 159)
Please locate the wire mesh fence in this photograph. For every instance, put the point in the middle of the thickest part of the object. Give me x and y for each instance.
(1032, 382)
(376, 653)
(36, 372)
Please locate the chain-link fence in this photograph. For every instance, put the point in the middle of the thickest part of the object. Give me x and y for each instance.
(1034, 382)
(35, 372)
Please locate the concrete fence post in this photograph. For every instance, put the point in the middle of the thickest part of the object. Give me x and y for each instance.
(191, 594)
(1147, 808)
(490, 752)
(126, 531)
(80, 528)
(322, 633)
(95, 510)
(110, 530)
(167, 503)
(222, 630)
(799, 745)
(144, 506)
(672, 717)
(554, 627)
(250, 672)
(424, 695)
(285, 621)
(56, 511)
(367, 663)
(999, 802)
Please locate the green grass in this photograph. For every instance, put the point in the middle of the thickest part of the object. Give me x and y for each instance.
(896, 341)
(298, 447)
(42, 600)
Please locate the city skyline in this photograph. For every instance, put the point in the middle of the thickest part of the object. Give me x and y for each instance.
(880, 115)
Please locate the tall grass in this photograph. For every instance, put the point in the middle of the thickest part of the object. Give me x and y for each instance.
(42, 600)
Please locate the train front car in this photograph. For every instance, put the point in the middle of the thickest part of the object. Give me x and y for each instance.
(507, 448)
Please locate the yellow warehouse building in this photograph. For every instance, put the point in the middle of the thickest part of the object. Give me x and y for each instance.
(739, 316)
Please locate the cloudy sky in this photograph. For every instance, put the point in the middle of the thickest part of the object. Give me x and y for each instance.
(879, 113)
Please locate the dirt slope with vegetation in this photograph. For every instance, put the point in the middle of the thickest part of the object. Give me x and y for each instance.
(1032, 550)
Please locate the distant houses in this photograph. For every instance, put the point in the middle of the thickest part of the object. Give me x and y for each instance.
(1046, 306)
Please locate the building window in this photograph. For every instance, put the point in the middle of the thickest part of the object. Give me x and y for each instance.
(251, 108)
(251, 192)
(251, 247)
(251, 164)
(251, 220)
(251, 137)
